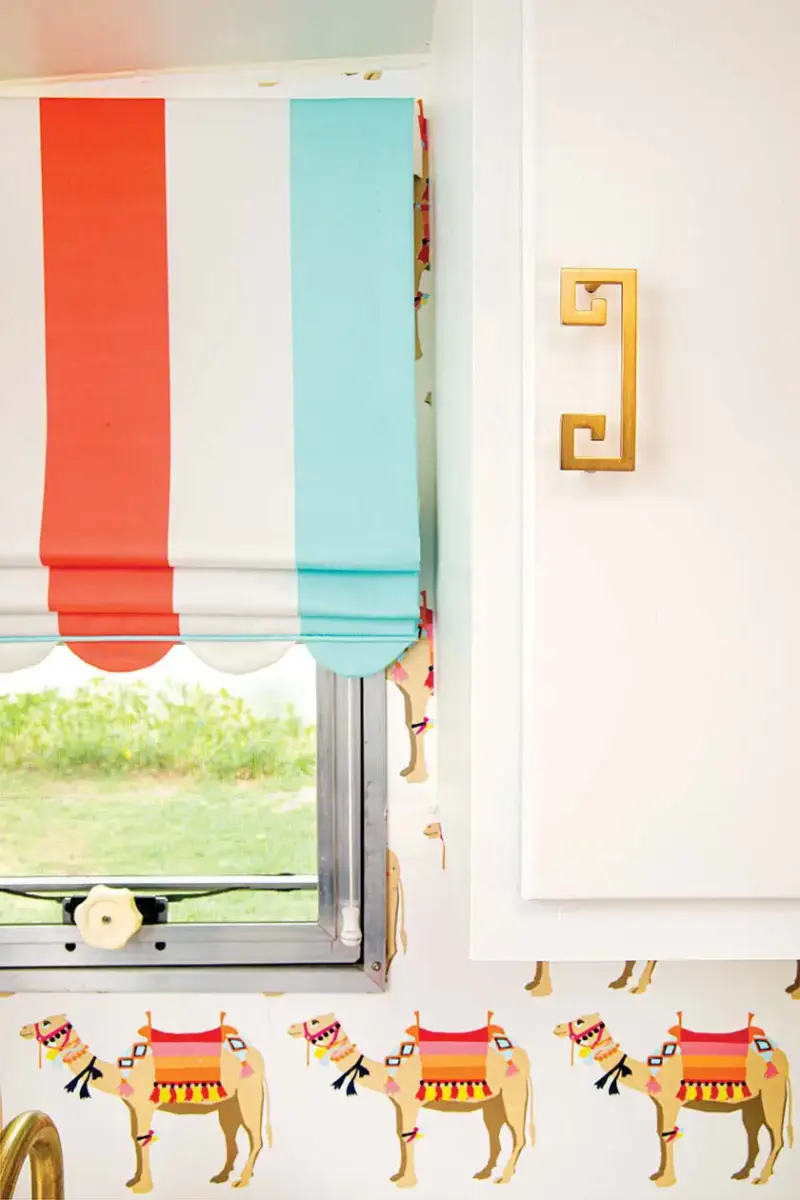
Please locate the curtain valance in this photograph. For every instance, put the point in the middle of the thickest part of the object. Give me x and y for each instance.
(207, 398)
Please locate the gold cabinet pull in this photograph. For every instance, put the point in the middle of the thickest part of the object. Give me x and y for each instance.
(592, 279)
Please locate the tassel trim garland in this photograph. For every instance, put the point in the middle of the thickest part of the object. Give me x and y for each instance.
(689, 1092)
(430, 1093)
(188, 1093)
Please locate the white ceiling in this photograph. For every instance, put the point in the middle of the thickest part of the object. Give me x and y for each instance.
(46, 38)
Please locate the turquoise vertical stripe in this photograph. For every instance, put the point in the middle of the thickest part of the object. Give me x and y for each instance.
(352, 258)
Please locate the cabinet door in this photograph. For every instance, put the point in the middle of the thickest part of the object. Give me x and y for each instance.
(662, 605)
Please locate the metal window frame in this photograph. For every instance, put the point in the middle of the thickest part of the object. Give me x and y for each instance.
(275, 957)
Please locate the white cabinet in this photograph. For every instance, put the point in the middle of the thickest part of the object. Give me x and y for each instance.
(634, 654)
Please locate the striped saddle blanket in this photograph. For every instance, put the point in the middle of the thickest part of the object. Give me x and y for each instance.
(453, 1065)
(187, 1066)
(714, 1065)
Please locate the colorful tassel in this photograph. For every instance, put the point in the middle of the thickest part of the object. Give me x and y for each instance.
(771, 1070)
(681, 1092)
(653, 1086)
(398, 672)
(506, 1048)
(125, 1088)
(391, 1087)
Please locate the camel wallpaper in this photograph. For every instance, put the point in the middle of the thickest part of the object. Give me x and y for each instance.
(678, 1076)
(574, 1081)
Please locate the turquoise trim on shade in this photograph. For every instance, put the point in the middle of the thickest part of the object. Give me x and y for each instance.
(356, 492)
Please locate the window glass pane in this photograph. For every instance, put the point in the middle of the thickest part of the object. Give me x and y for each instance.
(177, 770)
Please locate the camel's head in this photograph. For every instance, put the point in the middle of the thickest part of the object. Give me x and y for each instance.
(579, 1025)
(43, 1029)
(320, 1031)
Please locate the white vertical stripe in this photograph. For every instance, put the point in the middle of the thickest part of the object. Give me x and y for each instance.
(232, 482)
(23, 413)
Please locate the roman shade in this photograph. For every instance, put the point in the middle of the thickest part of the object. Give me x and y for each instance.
(207, 396)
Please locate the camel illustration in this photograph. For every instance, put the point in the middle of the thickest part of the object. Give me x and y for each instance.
(434, 831)
(186, 1074)
(413, 674)
(541, 984)
(447, 1072)
(395, 907)
(741, 1072)
(794, 988)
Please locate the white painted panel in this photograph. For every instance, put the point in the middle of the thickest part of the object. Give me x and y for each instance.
(480, 588)
(662, 732)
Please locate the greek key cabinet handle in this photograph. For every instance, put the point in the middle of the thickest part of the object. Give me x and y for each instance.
(592, 279)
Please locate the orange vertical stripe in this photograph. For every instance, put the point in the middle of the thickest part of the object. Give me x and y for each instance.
(105, 520)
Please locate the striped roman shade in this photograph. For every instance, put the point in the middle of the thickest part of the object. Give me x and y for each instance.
(207, 411)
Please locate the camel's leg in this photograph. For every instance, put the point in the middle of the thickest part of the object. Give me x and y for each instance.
(413, 746)
(406, 1113)
(537, 975)
(250, 1094)
(753, 1117)
(667, 1120)
(141, 1116)
(230, 1119)
(494, 1116)
(541, 984)
(794, 988)
(773, 1102)
(625, 977)
(515, 1103)
(645, 978)
(416, 662)
(137, 1175)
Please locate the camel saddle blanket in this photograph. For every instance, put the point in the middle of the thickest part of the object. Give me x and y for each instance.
(453, 1065)
(714, 1065)
(187, 1067)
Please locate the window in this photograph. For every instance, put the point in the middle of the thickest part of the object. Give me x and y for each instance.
(209, 450)
(246, 814)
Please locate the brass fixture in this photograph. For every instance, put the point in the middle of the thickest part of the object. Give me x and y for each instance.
(33, 1136)
(596, 314)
